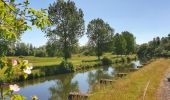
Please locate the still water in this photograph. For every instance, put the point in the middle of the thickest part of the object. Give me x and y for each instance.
(58, 87)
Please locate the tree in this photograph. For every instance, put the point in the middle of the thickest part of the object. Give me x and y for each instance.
(119, 44)
(130, 42)
(52, 49)
(100, 34)
(40, 52)
(67, 25)
(155, 48)
(13, 21)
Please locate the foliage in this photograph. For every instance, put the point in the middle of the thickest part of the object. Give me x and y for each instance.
(9, 69)
(67, 25)
(52, 49)
(13, 21)
(40, 52)
(66, 66)
(120, 44)
(100, 35)
(130, 42)
(155, 48)
(22, 49)
(106, 61)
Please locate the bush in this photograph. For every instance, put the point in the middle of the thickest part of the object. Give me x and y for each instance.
(67, 66)
(128, 59)
(88, 53)
(40, 53)
(21, 57)
(106, 61)
(123, 59)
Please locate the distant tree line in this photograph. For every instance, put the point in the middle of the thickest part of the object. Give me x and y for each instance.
(22, 49)
(158, 47)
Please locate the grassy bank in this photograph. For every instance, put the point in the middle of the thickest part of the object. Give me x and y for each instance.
(132, 86)
(76, 59)
(46, 66)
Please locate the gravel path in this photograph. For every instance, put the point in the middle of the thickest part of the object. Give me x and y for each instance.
(164, 91)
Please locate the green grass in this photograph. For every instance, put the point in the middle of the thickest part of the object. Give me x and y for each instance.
(76, 60)
(132, 86)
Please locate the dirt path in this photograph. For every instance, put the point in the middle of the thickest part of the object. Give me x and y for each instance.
(164, 91)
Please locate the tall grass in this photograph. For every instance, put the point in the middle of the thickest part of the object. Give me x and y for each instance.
(132, 86)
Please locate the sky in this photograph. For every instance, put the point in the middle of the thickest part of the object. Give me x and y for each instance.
(146, 19)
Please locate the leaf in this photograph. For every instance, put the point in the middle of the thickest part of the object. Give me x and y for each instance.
(29, 27)
(18, 97)
(25, 76)
(11, 7)
(12, 0)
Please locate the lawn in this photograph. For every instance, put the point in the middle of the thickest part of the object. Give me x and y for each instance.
(132, 87)
(76, 59)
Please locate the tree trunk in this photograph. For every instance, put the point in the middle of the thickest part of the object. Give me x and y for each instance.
(1, 88)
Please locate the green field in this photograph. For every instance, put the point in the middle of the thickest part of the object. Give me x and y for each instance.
(76, 59)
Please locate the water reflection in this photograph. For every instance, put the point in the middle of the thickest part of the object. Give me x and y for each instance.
(58, 87)
(61, 89)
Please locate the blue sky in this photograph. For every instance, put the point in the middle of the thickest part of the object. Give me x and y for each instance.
(146, 19)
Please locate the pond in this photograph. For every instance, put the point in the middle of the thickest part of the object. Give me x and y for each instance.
(58, 87)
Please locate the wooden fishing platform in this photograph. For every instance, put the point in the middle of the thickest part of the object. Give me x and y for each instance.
(106, 81)
(139, 66)
(121, 74)
(78, 96)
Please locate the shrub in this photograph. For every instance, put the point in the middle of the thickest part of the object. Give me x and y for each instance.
(128, 59)
(106, 61)
(21, 57)
(40, 53)
(123, 59)
(67, 66)
(88, 53)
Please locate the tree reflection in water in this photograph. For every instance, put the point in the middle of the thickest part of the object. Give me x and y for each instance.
(94, 77)
(63, 87)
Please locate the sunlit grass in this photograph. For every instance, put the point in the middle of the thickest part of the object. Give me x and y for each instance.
(76, 59)
(132, 87)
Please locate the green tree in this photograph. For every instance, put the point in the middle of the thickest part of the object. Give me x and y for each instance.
(130, 42)
(52, 49)
(40, 52)
(13, 21)
(119, 44)
(100, 34)
(67, 25)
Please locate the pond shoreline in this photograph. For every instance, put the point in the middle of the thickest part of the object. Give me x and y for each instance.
(45, 71)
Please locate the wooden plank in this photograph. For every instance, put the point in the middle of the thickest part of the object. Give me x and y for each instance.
(106, 81)
(121, 74)
(78, 96)
(139, 66)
